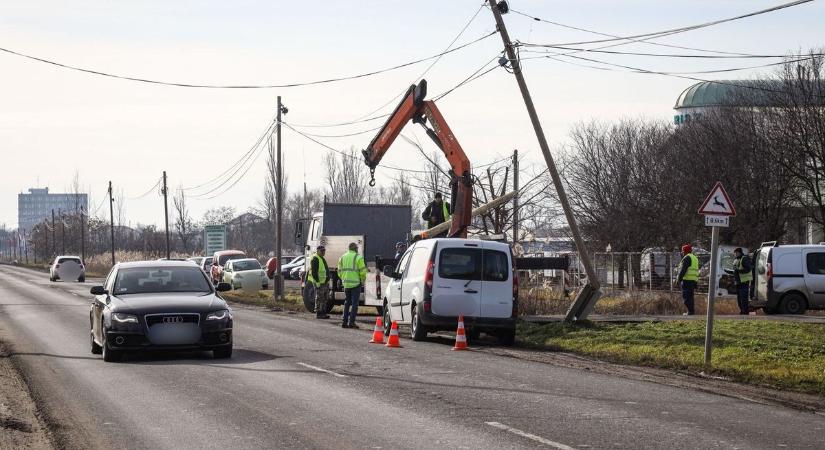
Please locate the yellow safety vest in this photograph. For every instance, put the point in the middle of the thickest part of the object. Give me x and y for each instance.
(445, 211)
(352, 270)
(322, 271)
(692, 273)
(744, 277)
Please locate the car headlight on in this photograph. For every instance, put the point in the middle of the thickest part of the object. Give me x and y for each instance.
(219, 315)
(124, 318)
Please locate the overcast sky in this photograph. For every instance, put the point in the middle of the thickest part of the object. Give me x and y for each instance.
(54, 122)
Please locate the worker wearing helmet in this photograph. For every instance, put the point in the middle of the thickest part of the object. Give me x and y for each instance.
(688, 277)
(316, 284)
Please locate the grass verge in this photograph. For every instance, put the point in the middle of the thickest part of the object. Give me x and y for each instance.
(292, 300)
(782, 355)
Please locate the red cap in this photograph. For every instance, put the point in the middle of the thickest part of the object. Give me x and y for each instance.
(687, 248)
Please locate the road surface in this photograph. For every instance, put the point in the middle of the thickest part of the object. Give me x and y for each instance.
(300, 383)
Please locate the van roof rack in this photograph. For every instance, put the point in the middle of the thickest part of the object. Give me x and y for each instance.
(769, 244)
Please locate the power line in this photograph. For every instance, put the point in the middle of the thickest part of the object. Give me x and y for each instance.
(473, 76)
(263, 86)
(672, 31)
(357, 133)
(665, 55)
(147, 192)
(698, 72)
(245, 166)
(240, 160)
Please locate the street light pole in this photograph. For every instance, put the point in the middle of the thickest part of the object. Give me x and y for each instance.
(588, 296)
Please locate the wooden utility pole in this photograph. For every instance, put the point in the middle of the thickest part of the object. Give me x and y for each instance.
(166, 214)
(515, 199)
(277, 279)
(587, 297)
(62, 233)
(82, 236)
(112, 222)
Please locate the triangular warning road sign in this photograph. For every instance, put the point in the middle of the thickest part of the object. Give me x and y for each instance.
(717, 203)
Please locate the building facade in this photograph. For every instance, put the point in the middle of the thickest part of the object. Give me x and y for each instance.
(37, 205)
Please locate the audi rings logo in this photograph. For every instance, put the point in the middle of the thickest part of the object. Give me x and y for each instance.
(173, 319)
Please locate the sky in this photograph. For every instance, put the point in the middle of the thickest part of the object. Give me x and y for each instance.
(55, 123)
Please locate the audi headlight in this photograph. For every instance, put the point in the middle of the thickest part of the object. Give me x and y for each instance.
(124, 318)
(219, 315)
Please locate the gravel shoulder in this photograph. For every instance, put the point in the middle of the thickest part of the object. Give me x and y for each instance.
(20, 424)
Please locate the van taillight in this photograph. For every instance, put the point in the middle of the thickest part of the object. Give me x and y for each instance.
(378, 284)
(428, 275)
(769, 272)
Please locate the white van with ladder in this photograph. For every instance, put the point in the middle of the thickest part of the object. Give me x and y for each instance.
(436, 280)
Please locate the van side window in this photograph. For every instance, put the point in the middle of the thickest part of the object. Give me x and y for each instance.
(816, 263)
(402, 264)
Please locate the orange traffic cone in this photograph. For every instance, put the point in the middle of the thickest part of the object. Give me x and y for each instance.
(393, 339)
(460, 336)
(378, 332)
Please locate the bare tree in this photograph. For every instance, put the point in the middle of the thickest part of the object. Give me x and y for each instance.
(347, 178)
(183, 221)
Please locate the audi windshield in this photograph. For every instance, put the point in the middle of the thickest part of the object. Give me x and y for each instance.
(158, 280)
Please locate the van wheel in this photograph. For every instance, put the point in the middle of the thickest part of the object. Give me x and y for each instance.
(418, 332)
(794, 304)
(387, 320)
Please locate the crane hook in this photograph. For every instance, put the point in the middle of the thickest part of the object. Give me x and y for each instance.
(372, 177)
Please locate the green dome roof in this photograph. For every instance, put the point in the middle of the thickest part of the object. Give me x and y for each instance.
(727, 92)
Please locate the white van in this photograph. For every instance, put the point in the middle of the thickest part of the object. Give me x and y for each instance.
(437, 280)
(789, 278)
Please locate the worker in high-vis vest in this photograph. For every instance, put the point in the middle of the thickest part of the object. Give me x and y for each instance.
(353, 272)
(742, 276)
(316, 284)
(688, 277)
(438, 211)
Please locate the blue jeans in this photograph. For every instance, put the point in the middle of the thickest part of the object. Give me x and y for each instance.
(742, 291)
(351, 296)
(687, 295)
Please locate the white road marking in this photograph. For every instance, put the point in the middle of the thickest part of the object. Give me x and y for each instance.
(527, 435)
(322, 370)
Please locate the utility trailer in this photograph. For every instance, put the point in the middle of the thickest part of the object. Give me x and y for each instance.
(375, 228)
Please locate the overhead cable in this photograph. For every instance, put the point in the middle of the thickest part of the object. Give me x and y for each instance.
(242, 86)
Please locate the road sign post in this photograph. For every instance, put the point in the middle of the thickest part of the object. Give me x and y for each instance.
(717, 209)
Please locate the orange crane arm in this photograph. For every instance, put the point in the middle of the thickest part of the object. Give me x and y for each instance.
(414, 107)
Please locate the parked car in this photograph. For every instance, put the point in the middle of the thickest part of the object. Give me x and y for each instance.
(297, 273)
(286, 269)
(790, 279)
(197, 260)
(237, 271)
(436, 280)
(159, 305)
(54, 269)
(219, 260)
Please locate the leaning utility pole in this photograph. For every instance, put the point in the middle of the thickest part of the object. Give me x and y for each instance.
(112, 222)
(62, 233)
(279, 288)
(515, 199)
(588, 296)
(166, 214)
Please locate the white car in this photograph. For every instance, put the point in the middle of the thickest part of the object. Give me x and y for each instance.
(54, 269)
(238, 271)
(436, 280)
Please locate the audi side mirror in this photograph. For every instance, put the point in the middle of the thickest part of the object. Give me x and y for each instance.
(98, 290)
(223, 287)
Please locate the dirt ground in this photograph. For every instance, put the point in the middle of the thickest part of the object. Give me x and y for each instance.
(20, 426)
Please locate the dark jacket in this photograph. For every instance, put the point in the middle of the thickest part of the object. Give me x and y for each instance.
(434, 214)
(746, 267)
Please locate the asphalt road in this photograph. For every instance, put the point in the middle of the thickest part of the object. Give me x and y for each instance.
(300, 383)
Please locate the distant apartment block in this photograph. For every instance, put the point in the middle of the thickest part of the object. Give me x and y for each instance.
(37, 205)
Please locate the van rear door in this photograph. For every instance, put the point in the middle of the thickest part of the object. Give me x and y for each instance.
(815, 277)
(762, 279)
(457, 280)
(496, 284)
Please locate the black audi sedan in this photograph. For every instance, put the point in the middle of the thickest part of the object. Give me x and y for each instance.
(159, 305)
